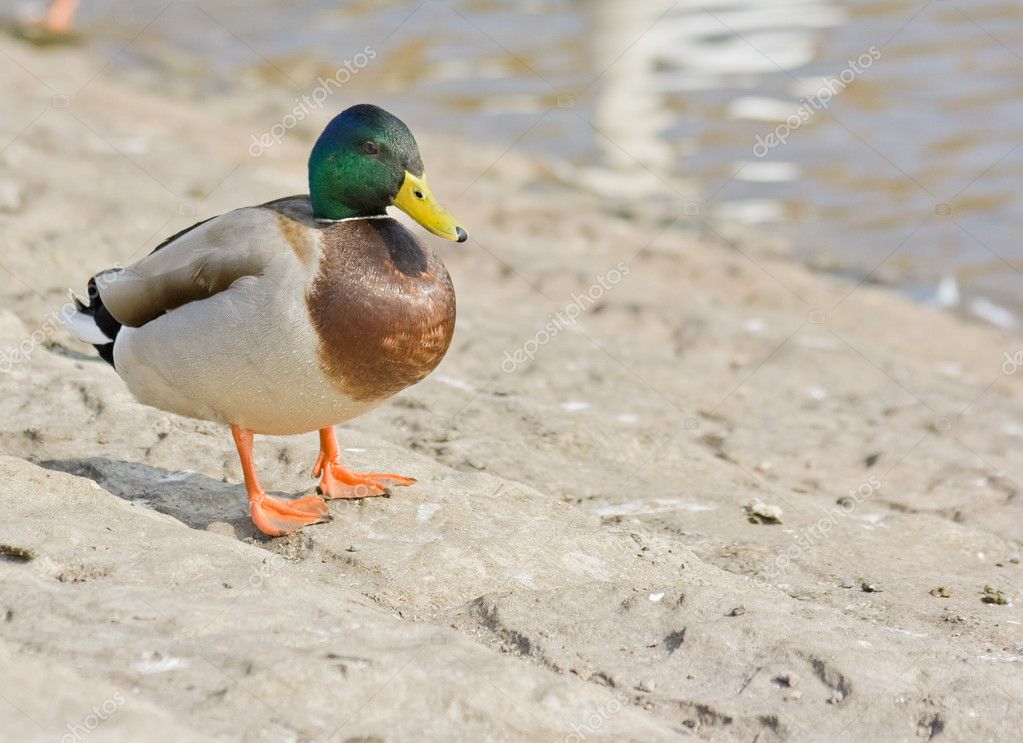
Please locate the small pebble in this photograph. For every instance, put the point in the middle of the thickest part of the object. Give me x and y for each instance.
(788, 679)
(14, 553)
(870, 587)
(759, 512)
(941, 592)
(163, 426)
(993, 596)
(738, 611)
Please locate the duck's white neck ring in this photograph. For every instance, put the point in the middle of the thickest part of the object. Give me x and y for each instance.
(352, 219)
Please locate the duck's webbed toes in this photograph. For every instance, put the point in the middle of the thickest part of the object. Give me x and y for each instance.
(340, 482)
(277, 516)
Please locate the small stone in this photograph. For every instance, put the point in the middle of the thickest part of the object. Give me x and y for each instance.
(994, 596)
(737, 611)
(788, 679)
(15, 553)
(870, 587)
(647, 686)
(759, 512)
(848, 583)
(793, 696)
(584, 673)
(941, 592)
(163, 426)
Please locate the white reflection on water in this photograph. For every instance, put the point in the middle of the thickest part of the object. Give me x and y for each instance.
(649, 53)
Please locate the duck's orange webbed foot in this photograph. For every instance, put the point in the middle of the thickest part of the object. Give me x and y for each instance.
(274, 517)
(277, 516)
(337, 481)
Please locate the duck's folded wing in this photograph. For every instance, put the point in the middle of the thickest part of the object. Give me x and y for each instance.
(197, 263)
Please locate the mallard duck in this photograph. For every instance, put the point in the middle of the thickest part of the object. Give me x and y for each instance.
(291, 316)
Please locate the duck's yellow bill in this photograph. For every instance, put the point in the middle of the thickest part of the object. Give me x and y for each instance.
(414, 198)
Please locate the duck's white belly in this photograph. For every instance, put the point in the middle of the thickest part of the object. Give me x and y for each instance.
(246, 356)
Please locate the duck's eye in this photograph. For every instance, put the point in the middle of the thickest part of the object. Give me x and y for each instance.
(371, 148)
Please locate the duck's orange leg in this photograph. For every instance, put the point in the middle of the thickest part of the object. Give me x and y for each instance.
(338, 481)
(274, 516)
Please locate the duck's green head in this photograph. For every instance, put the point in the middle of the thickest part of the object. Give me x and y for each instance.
(365, 161)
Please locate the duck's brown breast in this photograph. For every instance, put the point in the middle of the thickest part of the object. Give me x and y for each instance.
(382, 305)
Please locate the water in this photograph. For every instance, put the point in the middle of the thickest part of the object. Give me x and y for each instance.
(901, 168)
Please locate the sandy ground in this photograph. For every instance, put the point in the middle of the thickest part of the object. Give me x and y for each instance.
(582, 558)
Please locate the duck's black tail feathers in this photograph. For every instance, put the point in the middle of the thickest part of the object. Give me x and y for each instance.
(93, 323)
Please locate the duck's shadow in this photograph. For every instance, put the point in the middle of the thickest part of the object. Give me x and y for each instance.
(192, 498)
